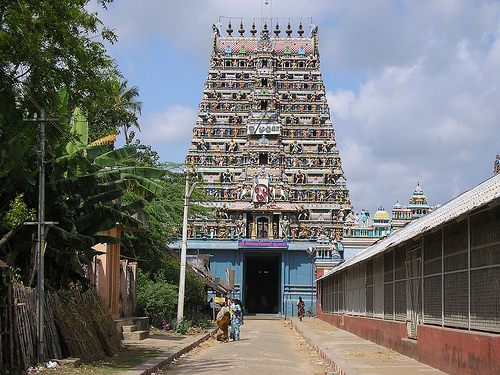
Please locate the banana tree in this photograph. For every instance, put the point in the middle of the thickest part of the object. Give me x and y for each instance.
(83, 194)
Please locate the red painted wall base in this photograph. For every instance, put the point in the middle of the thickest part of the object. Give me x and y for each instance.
(454, 351)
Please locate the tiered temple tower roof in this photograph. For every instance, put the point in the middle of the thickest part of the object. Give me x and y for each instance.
(264, 143)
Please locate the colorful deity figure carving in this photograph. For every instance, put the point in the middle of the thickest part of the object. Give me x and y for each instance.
(203, 160)
(227, 176)
(263, 141)
(364, 218)
(296, 148)
(324, 147)
(303, 214)
(231, 147)
(330, 177)
(204, 229)
(203, 146)
(210, 185)
(240, 227)
(274, 158)
(300, 178)
(285, 227)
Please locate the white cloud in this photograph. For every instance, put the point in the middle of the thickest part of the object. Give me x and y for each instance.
(424, 110)
(340, 102)
(172, 126)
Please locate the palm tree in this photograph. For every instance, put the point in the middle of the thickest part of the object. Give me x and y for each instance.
(126, 107)
(120, 113)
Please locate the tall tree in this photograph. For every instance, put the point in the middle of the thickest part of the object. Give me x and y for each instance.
(119, 113)
(46, 45)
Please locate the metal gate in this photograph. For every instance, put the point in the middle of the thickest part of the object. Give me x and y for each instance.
(413, 290)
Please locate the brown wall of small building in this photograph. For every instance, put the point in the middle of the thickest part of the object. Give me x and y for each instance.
(454, 351)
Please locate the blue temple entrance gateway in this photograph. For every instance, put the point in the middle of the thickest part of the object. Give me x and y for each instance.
(264, 147)
(269, 275)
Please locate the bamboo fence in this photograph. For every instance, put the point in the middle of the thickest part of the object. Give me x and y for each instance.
(75, 325)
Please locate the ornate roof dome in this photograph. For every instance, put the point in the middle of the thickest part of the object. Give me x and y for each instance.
(418, 190)
(418, 197)
(381, 214)
(397, 206)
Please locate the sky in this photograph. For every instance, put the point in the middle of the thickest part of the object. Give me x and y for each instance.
(413, 86)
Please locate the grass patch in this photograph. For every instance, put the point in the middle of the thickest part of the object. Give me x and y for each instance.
(125, 360)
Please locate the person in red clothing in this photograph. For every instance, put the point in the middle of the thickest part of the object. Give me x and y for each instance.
(301, 308)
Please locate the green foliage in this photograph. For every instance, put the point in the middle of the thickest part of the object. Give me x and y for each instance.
(48, 44)
(200, 320)
(156, 298)
(11, 276)
(165, 213)
(79, 132)
(195, 293)
(18, 213)
(118, 113)
(194, 320)
(181, 327)
(164, 226)
(52, 57)
(83, 198)
(157, 292)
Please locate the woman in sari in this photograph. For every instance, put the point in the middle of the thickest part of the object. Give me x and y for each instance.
(237, 320)
(223, 323)
(301, 309)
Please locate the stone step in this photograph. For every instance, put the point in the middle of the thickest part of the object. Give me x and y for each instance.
(70, 361)
(263, 317)
(135, 335)
(130, 328)
(141, 322)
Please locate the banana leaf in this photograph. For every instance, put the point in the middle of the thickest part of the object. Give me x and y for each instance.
(79, 132)
(104, 218)
(146, 172)
(74, 240)
(135, 207)
(95, 151)
(106, 196)
(111, 158)
(142, 186)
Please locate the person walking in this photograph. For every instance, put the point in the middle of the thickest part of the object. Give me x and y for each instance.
(301, 309)
(237, 320)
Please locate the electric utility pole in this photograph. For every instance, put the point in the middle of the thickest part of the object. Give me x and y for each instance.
(40, 242)
(182, 276)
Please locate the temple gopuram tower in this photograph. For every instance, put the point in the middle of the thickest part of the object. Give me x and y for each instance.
(265, 148)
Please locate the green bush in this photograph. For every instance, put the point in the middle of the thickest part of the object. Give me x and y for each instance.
(182, 327)
(156, 298)
(157, 295)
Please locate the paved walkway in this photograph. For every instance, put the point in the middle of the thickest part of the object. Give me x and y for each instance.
(172, 347)
(351, 355)
(346, 352)
(267, 347)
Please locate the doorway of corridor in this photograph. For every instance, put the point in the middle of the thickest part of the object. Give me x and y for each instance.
(262, 283)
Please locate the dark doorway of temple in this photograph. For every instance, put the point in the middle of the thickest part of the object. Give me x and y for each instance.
(262, 283)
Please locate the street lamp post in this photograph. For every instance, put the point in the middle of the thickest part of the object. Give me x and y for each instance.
(310, 251)
(182, 275)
